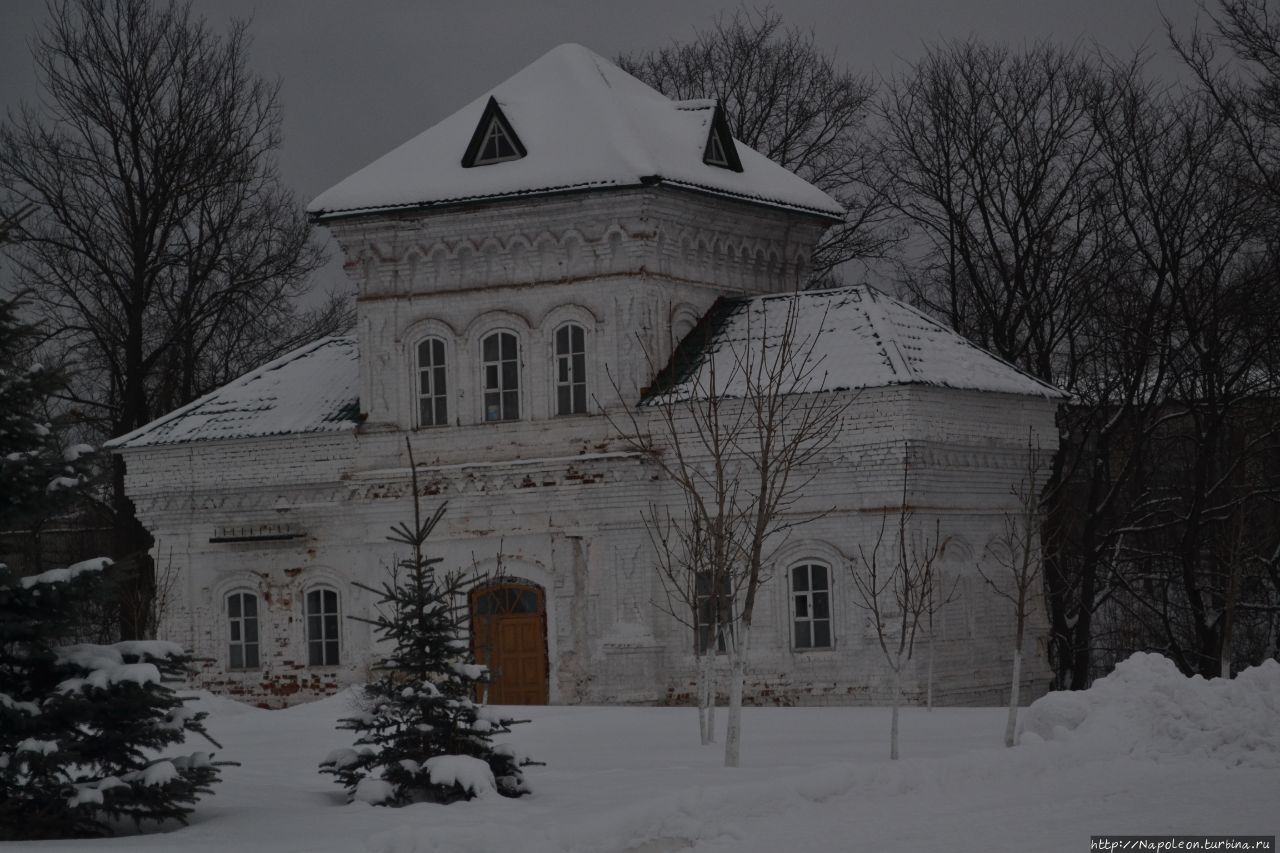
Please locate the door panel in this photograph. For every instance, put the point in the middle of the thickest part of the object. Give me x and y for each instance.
(509, 635)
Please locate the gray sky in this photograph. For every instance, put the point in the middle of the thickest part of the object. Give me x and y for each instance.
(361, 77)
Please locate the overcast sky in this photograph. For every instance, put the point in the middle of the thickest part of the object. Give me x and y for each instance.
(361, 76)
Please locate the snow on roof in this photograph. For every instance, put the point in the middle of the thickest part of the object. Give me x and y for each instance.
(311, 389)
(860, 338)
(586, 124)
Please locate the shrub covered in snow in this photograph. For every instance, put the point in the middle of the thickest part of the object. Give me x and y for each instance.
(80, 724)
(422, 737)
(1147, 708)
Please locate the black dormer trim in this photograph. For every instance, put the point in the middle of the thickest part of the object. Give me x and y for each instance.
(492, 113)
(720, 137)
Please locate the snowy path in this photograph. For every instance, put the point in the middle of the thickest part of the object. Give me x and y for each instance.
(623, 779)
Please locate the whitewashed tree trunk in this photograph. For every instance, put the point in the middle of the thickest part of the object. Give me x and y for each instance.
(733, 730)
(1011, 728)
(897, 700)
(928, 701)
(707, 698)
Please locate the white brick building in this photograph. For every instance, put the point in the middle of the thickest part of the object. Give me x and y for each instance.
(516, 265)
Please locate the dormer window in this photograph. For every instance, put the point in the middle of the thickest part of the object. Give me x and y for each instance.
(494, 141)
(720, 150)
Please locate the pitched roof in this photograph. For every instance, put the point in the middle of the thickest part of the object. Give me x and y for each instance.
(860, 338)
(311, 389)
(586, 124)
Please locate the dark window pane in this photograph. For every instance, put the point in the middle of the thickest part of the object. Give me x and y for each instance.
(562, 400)
(424, 353)
(802, 635)
(438, 380)
(491, 348)
(442, 415)
(819, 576)
(331, 653)
(233, 605)
(510, 405)
(251, 630)
(330, 626)
(509, 375)
(579, 368)
(802, 607)
(508, 347)
(821, 608)
(251, 656)
(314, 626)
(491, 377)
(235, 630)
(313, 601)
(437, 352)
(562, 370)
(578, 337)
(237, 657)
(315, 653)
(800, 579)
(562, 340)
(251, 605)
(822, 634)
(580, 399)
(330, 601)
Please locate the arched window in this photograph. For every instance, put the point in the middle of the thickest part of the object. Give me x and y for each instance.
(811, 606)
(500, 355)
(433, 406)
(322, 627)
(571, 370)
(242, 635)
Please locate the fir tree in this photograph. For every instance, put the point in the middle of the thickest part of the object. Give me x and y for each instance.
(36, 474)
(80, 724)
(422, 737)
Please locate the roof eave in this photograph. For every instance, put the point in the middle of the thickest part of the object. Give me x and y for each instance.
(322, 216)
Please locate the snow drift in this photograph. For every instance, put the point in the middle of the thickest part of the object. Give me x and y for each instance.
(1147, 709)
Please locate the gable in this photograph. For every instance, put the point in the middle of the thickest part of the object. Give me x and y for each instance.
(494, 141)
(720, 149)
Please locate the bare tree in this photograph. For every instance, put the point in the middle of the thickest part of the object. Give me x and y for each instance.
(898, 584)
(1017, 573)
(794, 104)
(738, 431)
(160, 231)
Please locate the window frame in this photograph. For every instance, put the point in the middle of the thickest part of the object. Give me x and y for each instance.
(809, 596)
(438, 372)
(237, 630)
(502, 391)
(577, 380)
(706, 612)
(330, 638)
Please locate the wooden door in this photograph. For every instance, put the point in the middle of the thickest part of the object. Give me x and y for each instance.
(509, 635)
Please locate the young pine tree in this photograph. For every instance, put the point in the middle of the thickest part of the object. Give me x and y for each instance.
(80, 724)
(422, 737)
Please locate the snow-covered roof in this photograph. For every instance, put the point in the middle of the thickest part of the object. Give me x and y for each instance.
(854, 337)
(311, 389)
(586, 124)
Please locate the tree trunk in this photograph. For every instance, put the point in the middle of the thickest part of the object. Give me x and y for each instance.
(1011, 728)
(897, 700)
(733, 731)
(929, 686)
(706, 699)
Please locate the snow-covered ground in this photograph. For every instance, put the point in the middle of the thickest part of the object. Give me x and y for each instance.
(1146, 751)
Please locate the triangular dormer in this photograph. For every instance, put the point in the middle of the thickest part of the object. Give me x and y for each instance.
(720, 150)
(494, 141)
